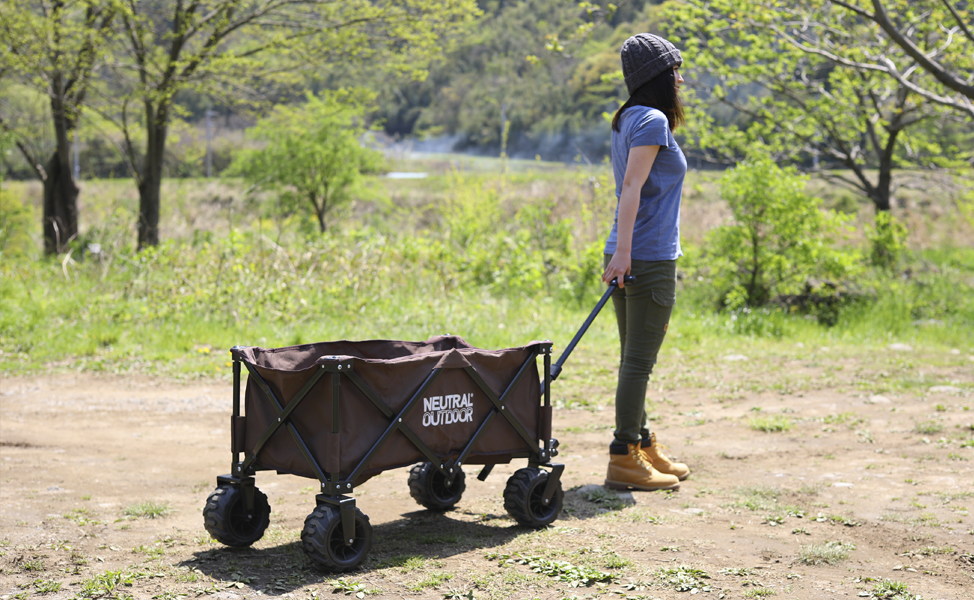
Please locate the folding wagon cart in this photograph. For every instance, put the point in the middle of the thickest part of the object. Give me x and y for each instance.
(342, 412)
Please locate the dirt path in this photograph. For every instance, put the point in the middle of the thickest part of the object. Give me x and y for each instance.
(879, 484)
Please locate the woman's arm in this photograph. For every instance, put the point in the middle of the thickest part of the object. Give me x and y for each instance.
(641, 159)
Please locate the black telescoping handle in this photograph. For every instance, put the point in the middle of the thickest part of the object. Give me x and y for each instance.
(556, 368)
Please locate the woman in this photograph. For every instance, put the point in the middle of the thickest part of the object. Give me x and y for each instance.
(645, 242)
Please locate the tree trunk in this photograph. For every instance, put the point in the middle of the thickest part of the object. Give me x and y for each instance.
(319, 210)
(60, 206)
(60, 190)
(881, 193)
(150, 188)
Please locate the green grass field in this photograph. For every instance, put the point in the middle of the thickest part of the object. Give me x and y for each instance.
(498, 253)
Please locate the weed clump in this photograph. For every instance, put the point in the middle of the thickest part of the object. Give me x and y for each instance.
(147, 510)
(771, 423)
(891, 590)
(685, 579)
(573, 575)
(828, 553)
(105, 585)
(604, 497)
(928, 427)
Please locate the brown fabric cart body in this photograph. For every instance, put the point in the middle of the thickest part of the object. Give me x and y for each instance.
(446, 418)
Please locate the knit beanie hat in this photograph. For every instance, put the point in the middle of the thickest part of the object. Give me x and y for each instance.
(644, 56)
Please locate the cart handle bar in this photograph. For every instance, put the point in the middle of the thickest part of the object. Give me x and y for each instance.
(613, 285)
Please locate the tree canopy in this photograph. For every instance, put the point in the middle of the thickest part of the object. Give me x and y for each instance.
(806, 103)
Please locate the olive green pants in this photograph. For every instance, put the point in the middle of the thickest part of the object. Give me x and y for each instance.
(643, 314)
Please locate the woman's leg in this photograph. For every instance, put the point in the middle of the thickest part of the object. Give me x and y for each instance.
(643, 312)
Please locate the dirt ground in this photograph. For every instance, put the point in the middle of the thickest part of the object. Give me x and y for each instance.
(872, 487)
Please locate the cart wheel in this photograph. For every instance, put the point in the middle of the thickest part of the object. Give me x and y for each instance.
(522, 498)
(225, 516)
(428, 486)
(323, 539)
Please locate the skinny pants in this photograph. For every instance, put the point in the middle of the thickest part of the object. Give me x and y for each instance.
(643, 316)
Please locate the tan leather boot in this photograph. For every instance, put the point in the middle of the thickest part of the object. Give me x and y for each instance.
(631, 471)
(653, 454)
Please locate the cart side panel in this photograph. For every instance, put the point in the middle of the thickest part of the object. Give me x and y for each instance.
(448, 414)
(500, 438)
(445, 418)
(312, 419)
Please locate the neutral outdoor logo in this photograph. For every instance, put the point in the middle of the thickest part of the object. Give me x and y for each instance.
(446, 410)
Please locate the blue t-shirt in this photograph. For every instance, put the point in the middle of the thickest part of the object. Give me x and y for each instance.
(656, 235)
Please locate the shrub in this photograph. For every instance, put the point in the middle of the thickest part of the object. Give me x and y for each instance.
(887, 241)
(780, 240)
(16, 221)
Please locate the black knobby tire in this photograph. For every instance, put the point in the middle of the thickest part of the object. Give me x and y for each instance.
(523, 498)
(428, 486)
(225, 516)
(324, 542)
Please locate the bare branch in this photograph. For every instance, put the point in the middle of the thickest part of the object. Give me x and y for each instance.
(960, 22)
(938, 71)
(29, 156)
(890, 69)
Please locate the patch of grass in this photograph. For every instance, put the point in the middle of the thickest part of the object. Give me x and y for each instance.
(762, 499)
(403, 562)
(928, 427)
(811, 489)
(45, 586)
(828, 553)
(81, 517)
(431, 580)
(438, 539)
(33, 564)
(615, 561)
(150, 552)
(558, 569)
(891, 590)
(105, 584)
(931, 550)
(684, 578)
(847, 418)
(771, 423)
(759, 593)
(147, 510)
(348, 587)
(737, 571)
(605, 497)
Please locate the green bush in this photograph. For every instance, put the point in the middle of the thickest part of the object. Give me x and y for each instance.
(16, 222)
(887, 241)
(780, 242)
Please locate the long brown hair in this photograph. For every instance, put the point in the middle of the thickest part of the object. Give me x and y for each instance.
(659, 93)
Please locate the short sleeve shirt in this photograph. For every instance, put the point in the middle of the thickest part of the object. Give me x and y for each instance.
(656, 234)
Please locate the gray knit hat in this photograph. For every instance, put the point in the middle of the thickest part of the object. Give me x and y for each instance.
(644, 56)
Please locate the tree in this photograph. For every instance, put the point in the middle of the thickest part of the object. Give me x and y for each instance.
(935, 35)
(313, 153)
(231, 48)
(54, 47)
(802, 101)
